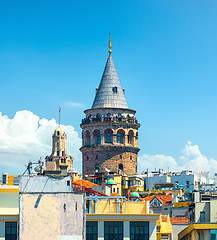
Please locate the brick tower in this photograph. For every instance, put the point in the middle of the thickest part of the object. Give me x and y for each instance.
(59, 155)
(110, 129)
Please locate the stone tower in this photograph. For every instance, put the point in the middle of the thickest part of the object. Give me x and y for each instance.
(59, 152)
(109, 129)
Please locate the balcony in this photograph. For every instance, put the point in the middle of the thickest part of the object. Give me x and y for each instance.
(111, 119)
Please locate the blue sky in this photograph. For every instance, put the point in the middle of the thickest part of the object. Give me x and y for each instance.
(52, 53)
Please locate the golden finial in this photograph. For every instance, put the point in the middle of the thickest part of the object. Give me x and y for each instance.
(110, 44)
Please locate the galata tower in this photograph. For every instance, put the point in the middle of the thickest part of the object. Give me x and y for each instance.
(109, 129)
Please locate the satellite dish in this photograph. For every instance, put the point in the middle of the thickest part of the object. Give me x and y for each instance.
(37, 169)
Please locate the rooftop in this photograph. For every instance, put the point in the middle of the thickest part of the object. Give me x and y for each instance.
(110, 94)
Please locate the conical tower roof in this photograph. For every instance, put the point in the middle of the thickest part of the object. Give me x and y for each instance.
(110, 94)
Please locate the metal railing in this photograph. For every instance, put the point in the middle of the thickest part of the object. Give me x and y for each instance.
(110, 119)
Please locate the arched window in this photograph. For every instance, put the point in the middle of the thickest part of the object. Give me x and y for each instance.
(121, 167)
(118, 138)
(108, 138)
(108, 114)
(115, 89)
(98, 115)
(87, 138)
(98, 138)
(87, 158)
(131, 137)
(120, 156)
(108, 135)
(108, 156)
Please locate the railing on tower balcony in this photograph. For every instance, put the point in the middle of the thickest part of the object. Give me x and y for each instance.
(114, 119)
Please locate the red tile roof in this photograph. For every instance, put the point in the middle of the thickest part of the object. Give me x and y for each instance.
(164, 199)
(84, 183)
(179, 220)
(115, 195)
(80, 188)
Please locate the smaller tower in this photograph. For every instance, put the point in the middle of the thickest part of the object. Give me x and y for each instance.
(59, 151)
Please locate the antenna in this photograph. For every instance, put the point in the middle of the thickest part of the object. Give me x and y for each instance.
(59, 116)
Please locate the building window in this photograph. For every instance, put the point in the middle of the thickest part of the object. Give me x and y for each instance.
(91, 230)
(58, 133)
(121, 167)
(213, 236)
(108, 138)
(97, 168)
(108, 156)
(120, 156)
(118, 138)
(138, 182)
(58, 153)
(130, 182)
(113, 230)
(97, 157)
(4, 179)
(113, 189)
(115, 89)
(63, 153)
(130, 157)
(16, 180)
(139, 230)
(10, 230)
(87, 158)
(98, 138)
(118, 190)
(187, 184)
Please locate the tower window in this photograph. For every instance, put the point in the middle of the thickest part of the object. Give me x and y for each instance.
(58, 133)
(120, 156)
(118, 138)
(98, 138)
(121, 167)
(58, 153)
(97, 168)
(108, 138)
(63, 153)
(130, 157)
(115, 89)
(108, 156)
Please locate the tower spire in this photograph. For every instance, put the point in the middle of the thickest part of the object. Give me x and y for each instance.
(110, 44)
(59, 116)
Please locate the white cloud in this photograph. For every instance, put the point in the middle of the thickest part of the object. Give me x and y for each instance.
(190, 159)
(27, 137)
(75, 104)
